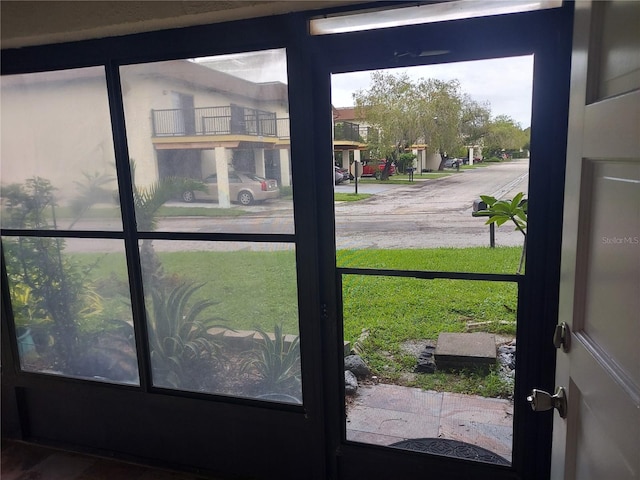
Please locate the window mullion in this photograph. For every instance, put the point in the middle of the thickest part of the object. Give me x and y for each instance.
(130, 232)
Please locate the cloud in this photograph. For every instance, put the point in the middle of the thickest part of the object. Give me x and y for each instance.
(506, 83)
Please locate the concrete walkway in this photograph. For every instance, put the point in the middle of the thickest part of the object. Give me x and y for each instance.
(385, 414)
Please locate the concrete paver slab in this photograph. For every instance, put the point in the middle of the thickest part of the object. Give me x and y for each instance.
(401, 399)
(385, 414)
(392, 423)
(472, 408)
(465, 350)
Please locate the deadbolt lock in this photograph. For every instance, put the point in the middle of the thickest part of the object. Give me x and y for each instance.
(542, 401)
(562, 337)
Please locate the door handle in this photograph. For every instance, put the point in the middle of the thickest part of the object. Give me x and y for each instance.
(542, 401)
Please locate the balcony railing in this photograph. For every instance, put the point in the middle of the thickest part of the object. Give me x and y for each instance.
(226, 120)
(369, 134)
(347, 131)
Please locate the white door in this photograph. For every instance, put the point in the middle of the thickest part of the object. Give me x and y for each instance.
(600, 276)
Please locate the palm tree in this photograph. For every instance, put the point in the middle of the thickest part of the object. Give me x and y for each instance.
(147, 201)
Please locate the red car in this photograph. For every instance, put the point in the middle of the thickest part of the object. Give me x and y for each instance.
(369, 169)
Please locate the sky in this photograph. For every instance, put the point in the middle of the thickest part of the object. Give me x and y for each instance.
(505, 83)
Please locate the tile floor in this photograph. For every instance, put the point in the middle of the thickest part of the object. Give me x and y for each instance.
(385, 414)
(21, 461)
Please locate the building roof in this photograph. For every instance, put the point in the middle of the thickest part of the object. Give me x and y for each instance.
(346, 114)
(186, 71)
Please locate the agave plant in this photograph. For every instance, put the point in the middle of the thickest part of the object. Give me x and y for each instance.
(275, 362)
(179, 338)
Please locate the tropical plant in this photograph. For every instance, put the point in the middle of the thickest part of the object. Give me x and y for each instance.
(147, 201)
(179, 338)
(276, 361)
(90, 192)
(502, 211)
(36, 266)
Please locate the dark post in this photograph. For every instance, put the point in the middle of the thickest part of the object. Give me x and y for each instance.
(479, 210)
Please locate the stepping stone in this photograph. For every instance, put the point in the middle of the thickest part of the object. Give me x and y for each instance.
(455, 351)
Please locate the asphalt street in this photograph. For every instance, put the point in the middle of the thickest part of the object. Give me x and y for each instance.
(432, 213)
(429, 213)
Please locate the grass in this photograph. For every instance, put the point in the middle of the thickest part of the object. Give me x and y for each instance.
(466, 382)
(395, 309)
(403, 178)
(476, 259)
(166, 211)
(64, 215)
(258, 289)
(350, 197)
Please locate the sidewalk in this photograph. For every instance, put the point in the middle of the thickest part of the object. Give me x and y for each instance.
(384, 414)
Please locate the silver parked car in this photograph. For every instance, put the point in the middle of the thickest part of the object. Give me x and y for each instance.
(244, 187)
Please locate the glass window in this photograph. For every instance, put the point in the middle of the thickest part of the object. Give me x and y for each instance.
(223, 317)
(69, 296)
(432, 140)
(218, 153)
(72, 308)
(209, 148)
(57, 150)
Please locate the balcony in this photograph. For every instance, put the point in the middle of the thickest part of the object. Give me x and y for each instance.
(347, 131)
(225, 120)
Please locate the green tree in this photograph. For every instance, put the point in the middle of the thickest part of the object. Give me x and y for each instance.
(391, 107)
(504, 135)
(441, 115)
(429, 111)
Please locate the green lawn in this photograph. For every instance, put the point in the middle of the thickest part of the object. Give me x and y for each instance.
(258, 289)
(403, 179)
(350, 197)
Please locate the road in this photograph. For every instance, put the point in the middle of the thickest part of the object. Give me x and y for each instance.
(430, 213)
(433, 213)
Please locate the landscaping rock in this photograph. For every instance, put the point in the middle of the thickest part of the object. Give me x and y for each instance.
(507, 356)
(426, 361)
(350, 383)
(507, 361)
(357, 366)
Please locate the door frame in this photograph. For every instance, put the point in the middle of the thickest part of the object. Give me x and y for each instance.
(547, 35)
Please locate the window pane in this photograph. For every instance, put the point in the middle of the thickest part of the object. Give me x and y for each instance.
(58, 168)
(72, 308)
(223, 317)
(442, 356)
(428, 142)
(212, 134)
